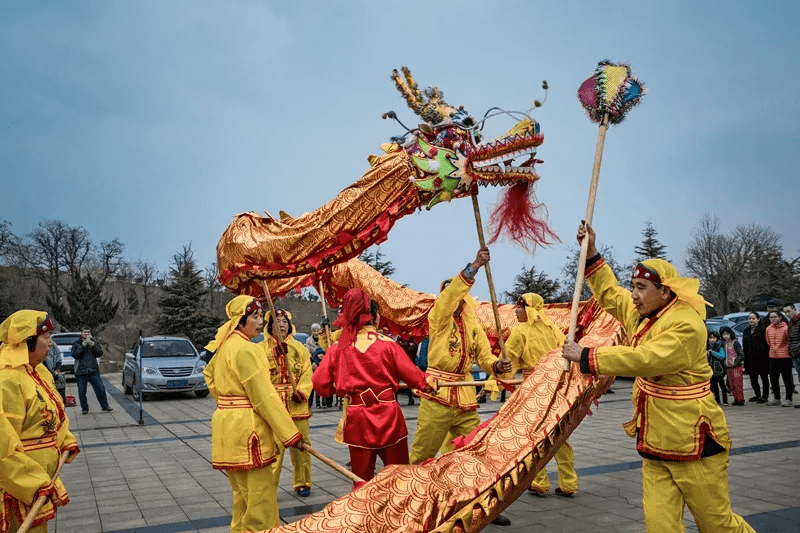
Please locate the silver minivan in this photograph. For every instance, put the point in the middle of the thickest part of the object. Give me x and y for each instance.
(169, 364)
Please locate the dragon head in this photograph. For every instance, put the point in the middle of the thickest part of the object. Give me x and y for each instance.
(450, 159)
(447, 152)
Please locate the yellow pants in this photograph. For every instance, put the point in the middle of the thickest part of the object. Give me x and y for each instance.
(255, 499)
(434, 422)
(567, 477)
(700, 484)
(301, 460)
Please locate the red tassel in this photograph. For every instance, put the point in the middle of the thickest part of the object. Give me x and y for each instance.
(516, 216)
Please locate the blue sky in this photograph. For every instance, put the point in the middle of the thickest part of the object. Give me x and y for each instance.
(157, 122)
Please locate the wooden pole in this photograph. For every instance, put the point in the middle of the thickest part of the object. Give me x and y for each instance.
(477, 210)
(277, 335)
(26, 525)
(333, 464)
(476, 383)
(576, 297)
(325, 313)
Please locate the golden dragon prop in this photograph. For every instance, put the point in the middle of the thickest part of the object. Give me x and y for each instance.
(443, 158)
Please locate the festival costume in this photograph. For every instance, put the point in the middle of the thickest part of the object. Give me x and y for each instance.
(34, 429)
(297, 361)
(455, 342)
(249, 418)
(366, 368)
(526, 345)
(679, 428)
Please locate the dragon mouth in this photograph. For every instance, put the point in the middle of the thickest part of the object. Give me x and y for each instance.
(507, 160)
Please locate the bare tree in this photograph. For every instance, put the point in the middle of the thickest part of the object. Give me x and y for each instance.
(569, 273)
(736, 268)
(43, 256)
(7, 238)
(210, 275)
(146, 275)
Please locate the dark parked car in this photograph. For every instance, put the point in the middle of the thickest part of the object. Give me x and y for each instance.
(713, 324)
(64, 342)
(169, 364)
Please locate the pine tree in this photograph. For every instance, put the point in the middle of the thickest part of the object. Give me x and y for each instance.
(183, 307)
(651, 247)
(86, 305)
(376, 261)
(528, 280)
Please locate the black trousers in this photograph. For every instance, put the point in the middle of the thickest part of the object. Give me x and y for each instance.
(764, 376)
(717, 386)
(781, 368)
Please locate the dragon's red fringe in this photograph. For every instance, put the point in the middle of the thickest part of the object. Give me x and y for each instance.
(519, 216)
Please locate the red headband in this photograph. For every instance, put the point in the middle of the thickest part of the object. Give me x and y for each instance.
(254, 306)
(45, 326)
(643, 272)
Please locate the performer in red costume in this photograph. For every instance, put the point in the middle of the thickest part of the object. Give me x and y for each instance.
(366, 367)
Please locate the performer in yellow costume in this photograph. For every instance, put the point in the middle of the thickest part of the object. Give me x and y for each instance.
(456, 341)
(290, 357)
(34, 429)
(680, 430)
(250, 417)
(535, 336)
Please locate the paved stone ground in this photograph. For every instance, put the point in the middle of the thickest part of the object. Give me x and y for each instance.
(157, 477)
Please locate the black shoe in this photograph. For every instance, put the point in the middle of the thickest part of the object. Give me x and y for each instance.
(501, 521)
(85, 412)
(754, 399)
(562, 493)
(410, 402)
(762, 400)
(108, 409)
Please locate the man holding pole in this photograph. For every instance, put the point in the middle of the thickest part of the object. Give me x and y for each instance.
(456, 340)
(290, 371)
(680, 430)
(34, 430)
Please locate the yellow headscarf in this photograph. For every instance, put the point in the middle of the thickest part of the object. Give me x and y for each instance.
(687, 289)
(534, 309)
(13, 332)
(235, 310)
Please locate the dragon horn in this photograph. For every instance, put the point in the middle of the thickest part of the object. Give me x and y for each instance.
(412, 83)
(411, 95)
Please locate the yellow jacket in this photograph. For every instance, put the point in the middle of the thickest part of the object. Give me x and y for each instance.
(34, 431)
(298, 361)
(454, 345)
(674, 409)
(250, 415)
